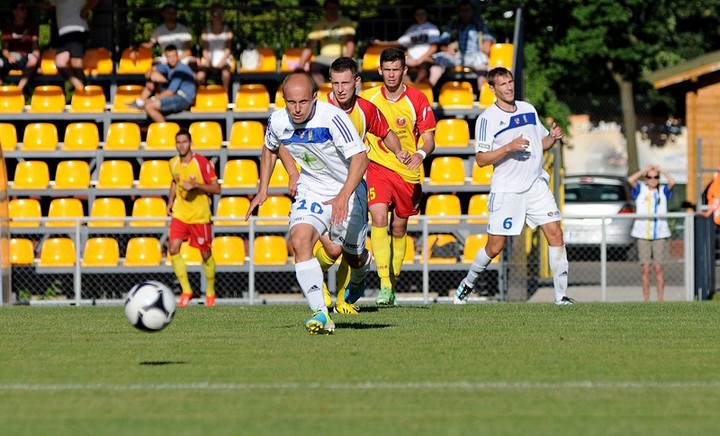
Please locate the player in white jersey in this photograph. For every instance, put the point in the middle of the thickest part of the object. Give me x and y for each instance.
(331, 194)
(510, 136)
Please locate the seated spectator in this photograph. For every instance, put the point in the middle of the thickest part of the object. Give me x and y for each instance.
(335, 36)
(465, 42)
(172, 32)
(217, 55)
(169, 88)
(20, 49)
(421, 41)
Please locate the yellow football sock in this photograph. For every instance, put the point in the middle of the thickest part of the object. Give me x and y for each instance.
(381, 252)
(209, 269)
(399, 247)
(343, 278)
(325, 261)
(180, 269)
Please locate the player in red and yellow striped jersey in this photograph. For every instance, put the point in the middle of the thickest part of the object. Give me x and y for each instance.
(194, 180)
(393, 185)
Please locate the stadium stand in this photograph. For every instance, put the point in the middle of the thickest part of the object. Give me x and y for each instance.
(47, 99)
(206, 135)
(40, 137)
(101, 252)
(270, 250)
(12, 99)
(72, 174)
(64, 208)
(57, 252)
(149, 207)
(22, 252)
(105, 208)
(143, 252)
(228, 251)
(81, 136)
(123, 137)
(24, 208)
(231, 211)
(115, 174)
(246, 135)
(8, 137)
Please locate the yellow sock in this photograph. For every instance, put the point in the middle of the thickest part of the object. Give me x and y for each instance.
(209, 269)
(325, 261)
(399, 247)
(343, 278)
(180, 269)
(381, 252)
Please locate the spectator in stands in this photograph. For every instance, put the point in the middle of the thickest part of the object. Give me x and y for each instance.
(20, 49)
(652, 234)
(421, 41)
(465, 42)
(217, 56)
(335, 36)
(172, 85)
(172, 32)
(73, 32)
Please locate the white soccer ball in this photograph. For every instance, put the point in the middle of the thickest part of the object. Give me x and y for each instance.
(150, 306)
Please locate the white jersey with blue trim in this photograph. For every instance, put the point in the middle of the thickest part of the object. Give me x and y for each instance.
(322, 146)
(494, 128)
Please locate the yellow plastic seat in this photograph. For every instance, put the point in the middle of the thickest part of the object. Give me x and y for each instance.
(65, 208)
(161, 136)
(231, 211)
(452, 132)
(143, 252)
(72, 174)
(31, 174)
(115, 174)
(47, 99)
(425, 88)
(190, 255)
(443, 205)
(57, 253)
(91, 98)
(24, 208)
(440, 240)
(276, 206)
(246, 135)
(210, 98)
(501, 55)
(12, 99)
(447, 170)
(279, 177)
(290, 60)
(137, 61)
(8, 136)
(270, 250)
(324, 90)
(487, 97)
(97, 61)
(40, 137)
(228, 251)
(101, 252)
(47, 63)
(108, 207)
(240, 173)
(481, 176)
(123, 95)
(371, 58)
(279, 99)
(81, 137)
(252, 97)
(370, 85)
(473, 243)
(478, 209)
(268, 62)
(154, 174)
(206, 135)
(123, 137)
(149, 207)
(22, 251)
(456, 95)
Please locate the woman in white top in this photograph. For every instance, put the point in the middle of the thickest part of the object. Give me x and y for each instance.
(217, 55)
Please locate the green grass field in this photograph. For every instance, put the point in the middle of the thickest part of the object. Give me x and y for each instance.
(421, 370)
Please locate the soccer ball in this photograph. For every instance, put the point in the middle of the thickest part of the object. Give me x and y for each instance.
(150, 306)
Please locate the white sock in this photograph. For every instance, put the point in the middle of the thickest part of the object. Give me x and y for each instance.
(310, 277)
(478, 266)
(140, 102)
(559, 267)
(357, 275)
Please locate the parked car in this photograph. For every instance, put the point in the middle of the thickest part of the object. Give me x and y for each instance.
(592, 196)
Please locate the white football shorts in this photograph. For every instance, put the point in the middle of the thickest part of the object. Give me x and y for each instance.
(509, 211)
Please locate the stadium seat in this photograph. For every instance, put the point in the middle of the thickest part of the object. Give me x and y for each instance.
(149, 207)
(115, 174)
(40, 137)
(210, 98)
(57, 253)
(22, 252)
(91, 98)
(126, 94)
(452, 132)
(81, 137)
(228, 251)
(370, 85)
(481, 176)
(252, 97)
(279, 99)
(276, 206)
(240, 173)
(8, 137)
(161, 136)
(31, 174)
(440, 240)
(501, 55)
(291, 59)
(270, 250)
(47, 63)
(24, 208)
(206, 135)
(190, 255)
(279, 177)
(65, 208)
(123, 137)
(12, 99)
(246, 135)
(487, 97)
(231, 211)
(447, 170)
(426, 89)
(268, 62)
(154, 174)
(72, 174)
(108, 207)
(371, 58)
(143, 252)
(97, 61)
(473, 243)
(135, 61)
(456, 95)
(101, 252)
(478, 209)
(47, 99)
(443, 205)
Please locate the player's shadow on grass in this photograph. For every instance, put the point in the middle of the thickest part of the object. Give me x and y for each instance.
(163, 362)
(361, 325)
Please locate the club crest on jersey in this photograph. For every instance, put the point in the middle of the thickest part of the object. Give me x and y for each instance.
(400, 121)
(304, 133)
(201, 241)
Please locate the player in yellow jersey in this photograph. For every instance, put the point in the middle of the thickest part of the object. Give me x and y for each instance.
(194, 180)
(392, 185)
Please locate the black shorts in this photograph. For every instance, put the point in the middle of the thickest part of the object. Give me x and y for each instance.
(74, 42)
